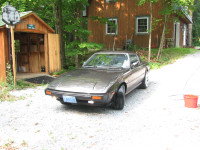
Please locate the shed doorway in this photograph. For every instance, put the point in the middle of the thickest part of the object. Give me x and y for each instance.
(30, 55)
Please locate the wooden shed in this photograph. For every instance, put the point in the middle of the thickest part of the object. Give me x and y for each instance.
(37, 48)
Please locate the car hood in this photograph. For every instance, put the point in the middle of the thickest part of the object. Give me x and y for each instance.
(86, 80)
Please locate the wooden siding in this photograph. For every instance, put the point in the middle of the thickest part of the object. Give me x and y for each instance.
(46, 53)
(40, 27)
(34, 50)
(2, 57)
(126, 12)
(54, 53)
(6, 45)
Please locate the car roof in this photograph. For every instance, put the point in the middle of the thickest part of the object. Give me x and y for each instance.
(115, 52)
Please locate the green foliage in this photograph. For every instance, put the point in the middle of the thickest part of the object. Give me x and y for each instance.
(196, 24)
(82, 49)
(91, 45)
(60, 72)
(9, 75)
(21, 84)
(135, 47)
(130, 47)
(100, 20)
(4, 93)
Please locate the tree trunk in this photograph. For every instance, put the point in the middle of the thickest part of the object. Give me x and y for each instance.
(57, 9)
(114, 42)
(149, 56)
(114, 39)
(79, 15)
(162, 38)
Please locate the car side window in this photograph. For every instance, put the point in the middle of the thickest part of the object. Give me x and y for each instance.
(134, 59)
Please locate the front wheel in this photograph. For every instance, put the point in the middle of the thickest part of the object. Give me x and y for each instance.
(145, 81)
(118, 102)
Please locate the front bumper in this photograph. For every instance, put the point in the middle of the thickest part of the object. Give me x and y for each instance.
(82, 98)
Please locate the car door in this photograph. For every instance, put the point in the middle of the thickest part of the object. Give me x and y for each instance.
(136, 73)
(140, 68)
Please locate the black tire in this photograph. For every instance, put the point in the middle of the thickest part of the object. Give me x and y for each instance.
(118, 101)
(145, 81)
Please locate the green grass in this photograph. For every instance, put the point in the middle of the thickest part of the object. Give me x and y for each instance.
(5, 89)
(4, 93)
(60, 72)
(168, 56)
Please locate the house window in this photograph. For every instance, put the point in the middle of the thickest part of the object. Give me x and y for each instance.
(142, 25)
(110, 1)
(112, 26)
(85, 11)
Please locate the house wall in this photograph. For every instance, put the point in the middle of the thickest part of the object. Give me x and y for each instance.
(126, 12)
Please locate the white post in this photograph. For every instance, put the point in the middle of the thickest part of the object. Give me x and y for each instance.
(177, 34)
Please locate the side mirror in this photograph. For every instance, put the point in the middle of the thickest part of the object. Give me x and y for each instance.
(133, 64)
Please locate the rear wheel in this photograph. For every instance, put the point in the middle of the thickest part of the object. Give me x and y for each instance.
(118, 102)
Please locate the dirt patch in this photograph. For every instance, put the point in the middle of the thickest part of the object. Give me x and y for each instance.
(41, 79)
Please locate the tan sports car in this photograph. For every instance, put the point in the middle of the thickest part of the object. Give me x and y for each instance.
(104, 79)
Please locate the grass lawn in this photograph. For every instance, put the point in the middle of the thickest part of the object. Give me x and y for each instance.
(168, 56)
(5, 88)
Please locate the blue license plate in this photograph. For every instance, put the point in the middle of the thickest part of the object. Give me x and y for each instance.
(69, 99)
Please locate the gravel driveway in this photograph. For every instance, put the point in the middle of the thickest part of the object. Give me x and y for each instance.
(153, 119)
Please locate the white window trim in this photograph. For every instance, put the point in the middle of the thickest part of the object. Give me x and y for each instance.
(184, 34)
(116, 21)
(142, 17)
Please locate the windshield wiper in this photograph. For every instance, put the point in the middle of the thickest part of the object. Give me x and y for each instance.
(90, 66)
(115, 67)
(110, 67)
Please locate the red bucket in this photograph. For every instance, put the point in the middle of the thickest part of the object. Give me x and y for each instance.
(191, 101)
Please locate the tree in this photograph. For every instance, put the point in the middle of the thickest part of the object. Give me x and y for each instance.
(65, 17)
(57, 10)
(176, 8)
(169, 8)
(196, 23)
(141, 2)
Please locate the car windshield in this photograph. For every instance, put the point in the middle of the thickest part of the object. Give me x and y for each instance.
(108, 61)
